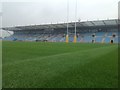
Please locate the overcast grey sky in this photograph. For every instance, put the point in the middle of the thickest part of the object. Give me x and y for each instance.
(19, 12)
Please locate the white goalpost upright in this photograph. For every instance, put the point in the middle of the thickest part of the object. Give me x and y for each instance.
(75, 37)
(67, 36)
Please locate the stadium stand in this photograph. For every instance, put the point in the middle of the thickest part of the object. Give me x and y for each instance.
(102, 31)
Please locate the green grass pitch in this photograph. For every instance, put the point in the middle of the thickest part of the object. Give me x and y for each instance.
(59, 65)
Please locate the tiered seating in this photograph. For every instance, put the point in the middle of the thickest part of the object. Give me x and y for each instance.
(82, 37)
(10, 38)
(78, 39)
(87, 37)
(71, 38)
(99, 36)
(107, 40)
(116, 40)
(98, 39)
(110, 34)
